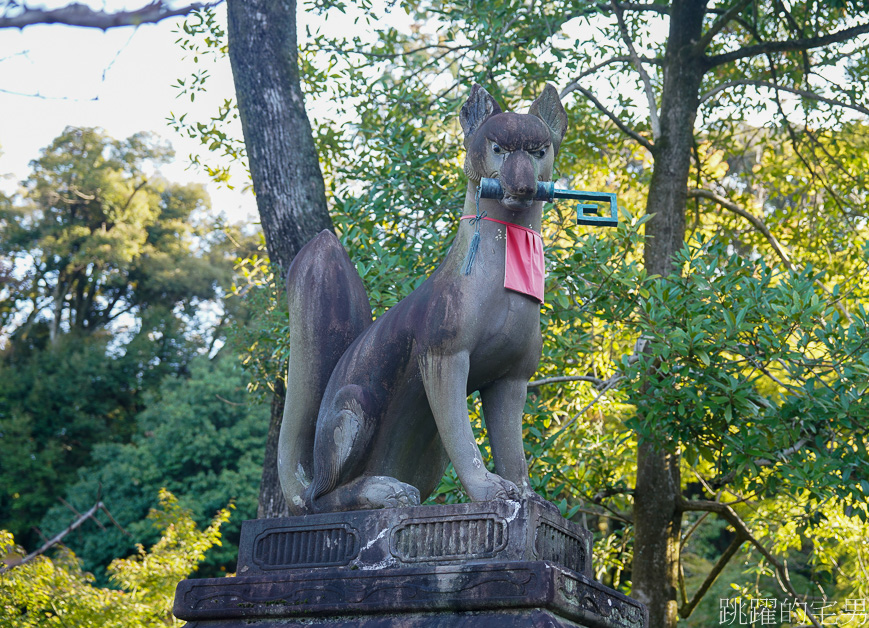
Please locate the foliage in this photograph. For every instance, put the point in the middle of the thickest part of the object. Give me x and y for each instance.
(56, 592)
(116, 279)
(95, 240)
(199, 437)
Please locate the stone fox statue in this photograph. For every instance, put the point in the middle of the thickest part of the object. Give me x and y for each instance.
(374, 412)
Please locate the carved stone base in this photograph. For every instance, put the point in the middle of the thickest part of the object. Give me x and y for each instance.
(498, 564)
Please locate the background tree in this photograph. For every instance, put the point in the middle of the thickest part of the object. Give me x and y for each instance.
(198, 437)
(56, 592)
(282, 158)
(115, 279)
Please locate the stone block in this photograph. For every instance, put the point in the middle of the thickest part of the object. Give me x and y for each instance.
(499, 564)
(423, 535)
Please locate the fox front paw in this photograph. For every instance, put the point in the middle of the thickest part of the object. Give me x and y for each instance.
(491, 486)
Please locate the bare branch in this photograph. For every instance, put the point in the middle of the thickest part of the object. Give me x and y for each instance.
(56, 539)
(754, 220)
(565, 378)
(77, 14)
(644, 76)
(597, 66)
(688, 607)
(227, 401)
(791, 90)
(783, 454)
(116, 524)
(787, 45)
(624, 127)
(623, 59)
(613, 381)
(610, 491)
(77, 513)
(637, 6)
(730, 515)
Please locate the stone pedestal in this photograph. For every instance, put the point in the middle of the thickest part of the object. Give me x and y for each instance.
(501, 564)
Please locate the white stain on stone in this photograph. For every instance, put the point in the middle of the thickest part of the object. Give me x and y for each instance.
(515, 506)
(375, 539)
(383, 564)
(301, 476)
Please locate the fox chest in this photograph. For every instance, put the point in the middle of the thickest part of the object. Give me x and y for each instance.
(509, 337)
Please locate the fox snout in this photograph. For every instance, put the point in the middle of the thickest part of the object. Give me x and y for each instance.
(519, 176)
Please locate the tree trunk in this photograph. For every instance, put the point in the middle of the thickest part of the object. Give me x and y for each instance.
(657, 515)
(271, 498)
(286, 174)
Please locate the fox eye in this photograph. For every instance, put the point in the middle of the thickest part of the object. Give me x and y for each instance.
(540, 153)
(497, 149)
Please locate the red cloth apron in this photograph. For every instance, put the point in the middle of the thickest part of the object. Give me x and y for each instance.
(523, 268)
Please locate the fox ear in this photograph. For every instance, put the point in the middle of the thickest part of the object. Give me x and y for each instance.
(479, 108)
(548, 108)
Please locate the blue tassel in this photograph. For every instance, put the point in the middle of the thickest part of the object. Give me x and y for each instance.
(475, 240)
(472, 250)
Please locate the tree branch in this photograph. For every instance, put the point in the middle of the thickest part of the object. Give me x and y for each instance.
(597, 66)
(644, 76)
(791, 90)
(787, 45)
(637, 6)
(728, 514)
(754, 220)
(622, 126)
(565, 378)
(688, 607)
(76, 14)
(612, 382)
(723, 20)
(56, 539)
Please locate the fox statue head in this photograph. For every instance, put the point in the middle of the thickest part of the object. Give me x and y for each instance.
(518, 149)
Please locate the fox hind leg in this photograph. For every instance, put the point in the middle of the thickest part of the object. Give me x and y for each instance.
(342, 447)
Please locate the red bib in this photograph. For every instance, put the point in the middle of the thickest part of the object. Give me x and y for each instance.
(523, 268)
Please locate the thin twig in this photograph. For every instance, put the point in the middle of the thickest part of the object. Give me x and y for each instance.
(782, 88)
(723, 20)
(730, 515)
(754, 220)
(565, 378)
(77, 513)
(616, 120)
(232, 403)
(688, 607)
(638, 65)
(788, 45)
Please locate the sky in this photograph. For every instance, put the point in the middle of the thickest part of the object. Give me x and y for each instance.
(122, 81)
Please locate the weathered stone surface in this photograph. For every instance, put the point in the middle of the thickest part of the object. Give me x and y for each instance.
(423, 535)
(332, 592)
(533, 618)
(500, 563)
